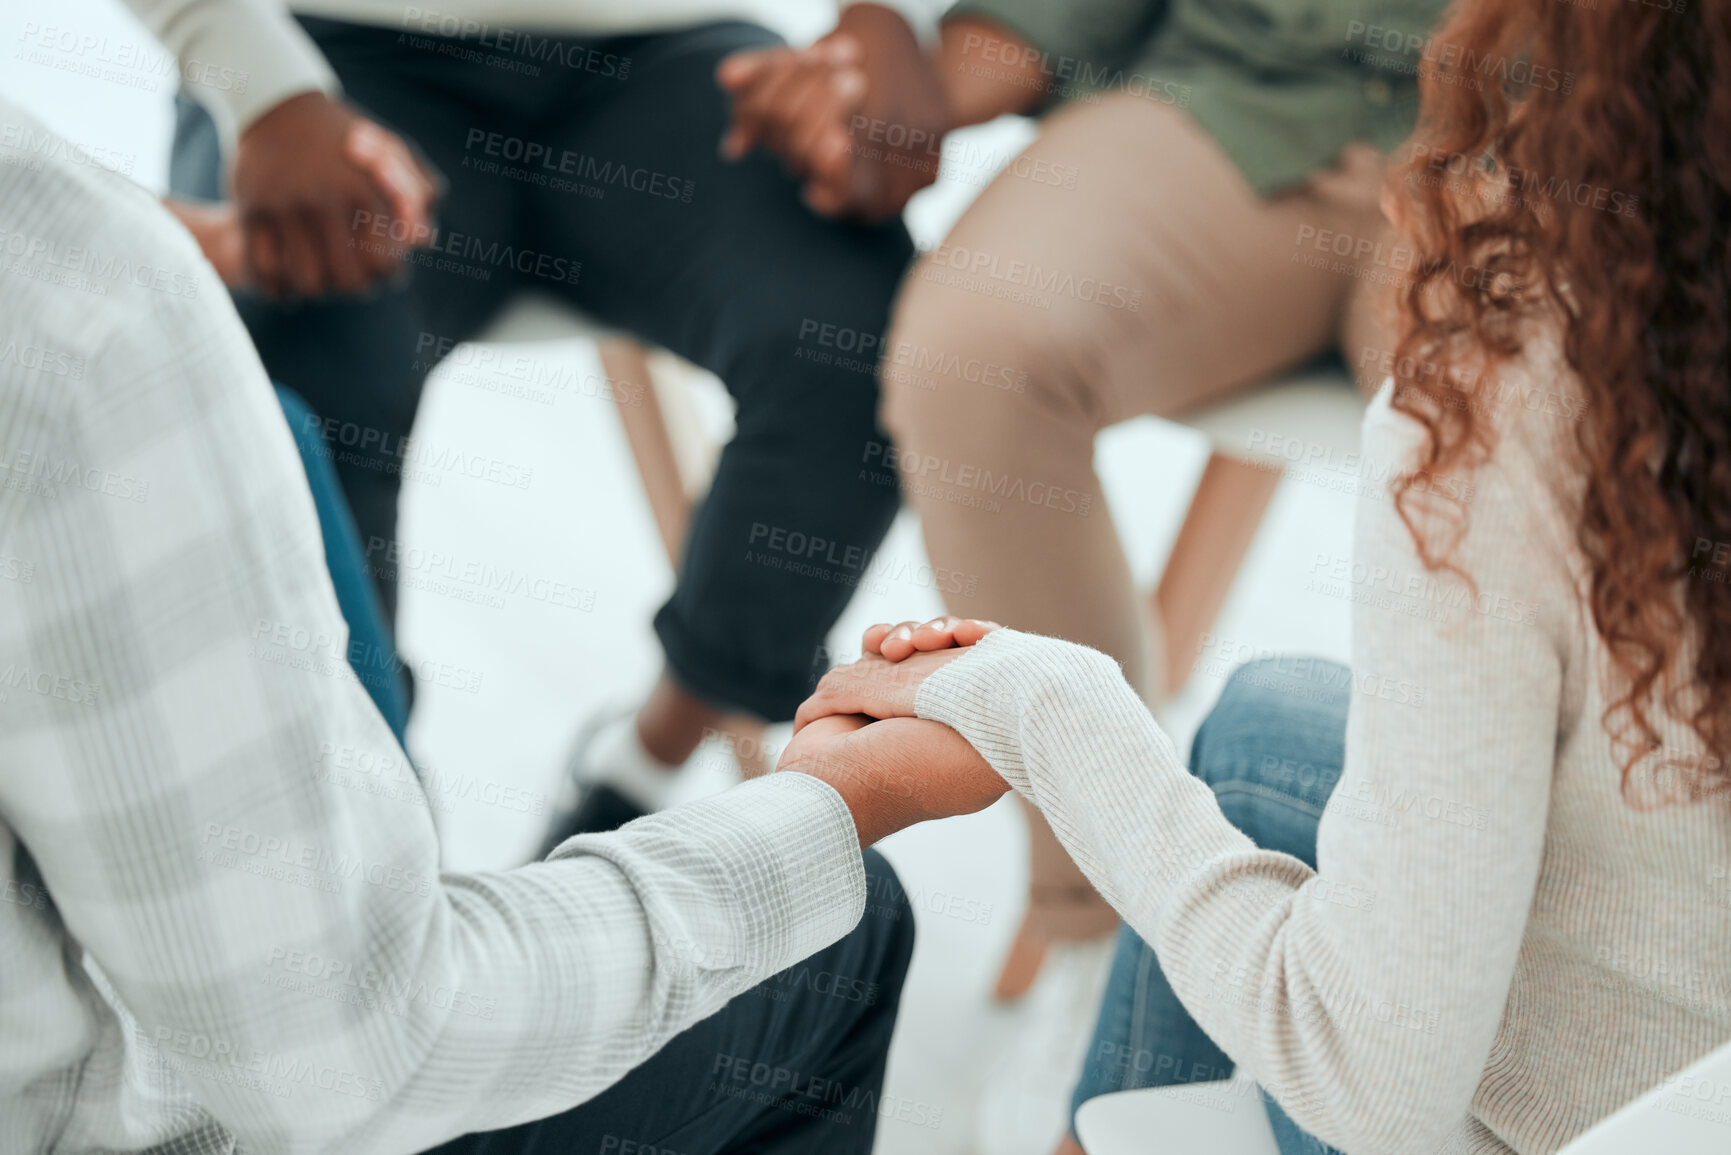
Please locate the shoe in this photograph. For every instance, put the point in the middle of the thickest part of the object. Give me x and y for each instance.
(586, 804)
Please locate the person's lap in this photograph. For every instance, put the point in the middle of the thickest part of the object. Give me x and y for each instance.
(1272, 750)
(604, 182)
(794, 1065)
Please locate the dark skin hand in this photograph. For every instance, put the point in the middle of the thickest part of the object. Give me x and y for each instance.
(862, 114)
(893, 774)
(311, 177)
(903, 769)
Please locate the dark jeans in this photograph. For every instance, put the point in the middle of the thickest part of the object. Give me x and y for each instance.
(1272, 750)
(782, 1069)
(372, 653)
(589, 169)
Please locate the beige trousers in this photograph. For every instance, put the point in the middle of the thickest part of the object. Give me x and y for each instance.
(1120, 267)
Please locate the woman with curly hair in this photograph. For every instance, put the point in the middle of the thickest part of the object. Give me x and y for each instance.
(1473, 894)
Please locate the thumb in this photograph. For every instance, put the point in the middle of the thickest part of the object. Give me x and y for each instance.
(740, 69)
(393, 170)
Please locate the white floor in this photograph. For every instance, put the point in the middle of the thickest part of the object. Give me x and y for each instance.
(965, 1076)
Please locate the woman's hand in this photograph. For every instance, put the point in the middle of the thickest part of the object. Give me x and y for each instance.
(895, 660)
(895, 773)
(908, 638)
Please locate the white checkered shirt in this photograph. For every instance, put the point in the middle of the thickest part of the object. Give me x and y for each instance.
(210, 941)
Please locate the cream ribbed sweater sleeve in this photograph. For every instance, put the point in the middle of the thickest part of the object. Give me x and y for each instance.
(1366, 995)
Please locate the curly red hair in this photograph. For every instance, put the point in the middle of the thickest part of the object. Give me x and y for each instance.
(1612, 218)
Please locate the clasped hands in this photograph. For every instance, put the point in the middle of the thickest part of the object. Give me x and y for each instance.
(859, 117)
(325, 201)
(859, 732)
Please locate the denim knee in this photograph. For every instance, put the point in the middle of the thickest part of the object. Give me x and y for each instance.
(1274, 746)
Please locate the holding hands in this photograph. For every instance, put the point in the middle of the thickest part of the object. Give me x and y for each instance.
(859, 732)
(310, 176)
(325, 201)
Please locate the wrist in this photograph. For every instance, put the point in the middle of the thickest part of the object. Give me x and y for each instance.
(987, 71)
(312, 101)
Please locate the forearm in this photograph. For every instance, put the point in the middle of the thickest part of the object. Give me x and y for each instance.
(240, 58)
(1313, 999)
(988, 71)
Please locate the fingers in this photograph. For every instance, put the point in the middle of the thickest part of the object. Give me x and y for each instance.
(264, 255)
(409, 190)
(826, 101)
(302, 253)
(738, 71)
(345, 271)
(970, 630)
(897, 642)
(766, 108)
(757, 75)
(868, 686)
(874, 637)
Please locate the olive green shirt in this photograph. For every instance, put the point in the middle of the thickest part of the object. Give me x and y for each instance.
(1283, 85)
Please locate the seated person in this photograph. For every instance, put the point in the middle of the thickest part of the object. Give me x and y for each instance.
(211, 945)
(575, 148)
(1152, 251)
(1512, 925)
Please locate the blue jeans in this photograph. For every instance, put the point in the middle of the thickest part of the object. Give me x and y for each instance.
(372, 652)
(1272, 750)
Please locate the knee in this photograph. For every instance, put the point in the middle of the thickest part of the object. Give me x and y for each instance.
(1277, 728)
(887, 926)
(968, 363)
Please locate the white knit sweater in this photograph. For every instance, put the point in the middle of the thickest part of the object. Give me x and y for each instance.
(1523, 952)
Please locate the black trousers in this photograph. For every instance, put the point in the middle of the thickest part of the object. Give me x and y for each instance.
(793, 1067)
(589, 169)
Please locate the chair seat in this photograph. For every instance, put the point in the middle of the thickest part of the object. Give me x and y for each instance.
(1194, 1119)
(1687, 1114)
(531, 315)
(1311, 417)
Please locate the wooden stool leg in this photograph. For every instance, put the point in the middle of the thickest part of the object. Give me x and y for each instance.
(1228, 507)
(626, 364)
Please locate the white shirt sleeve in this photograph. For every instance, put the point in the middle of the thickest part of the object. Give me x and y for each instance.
(277, 927)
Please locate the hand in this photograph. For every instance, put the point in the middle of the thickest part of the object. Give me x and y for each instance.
(908, 638)
(893, 774)
(216, 228)
(304, 174)
(860, 116)
(880, 685)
